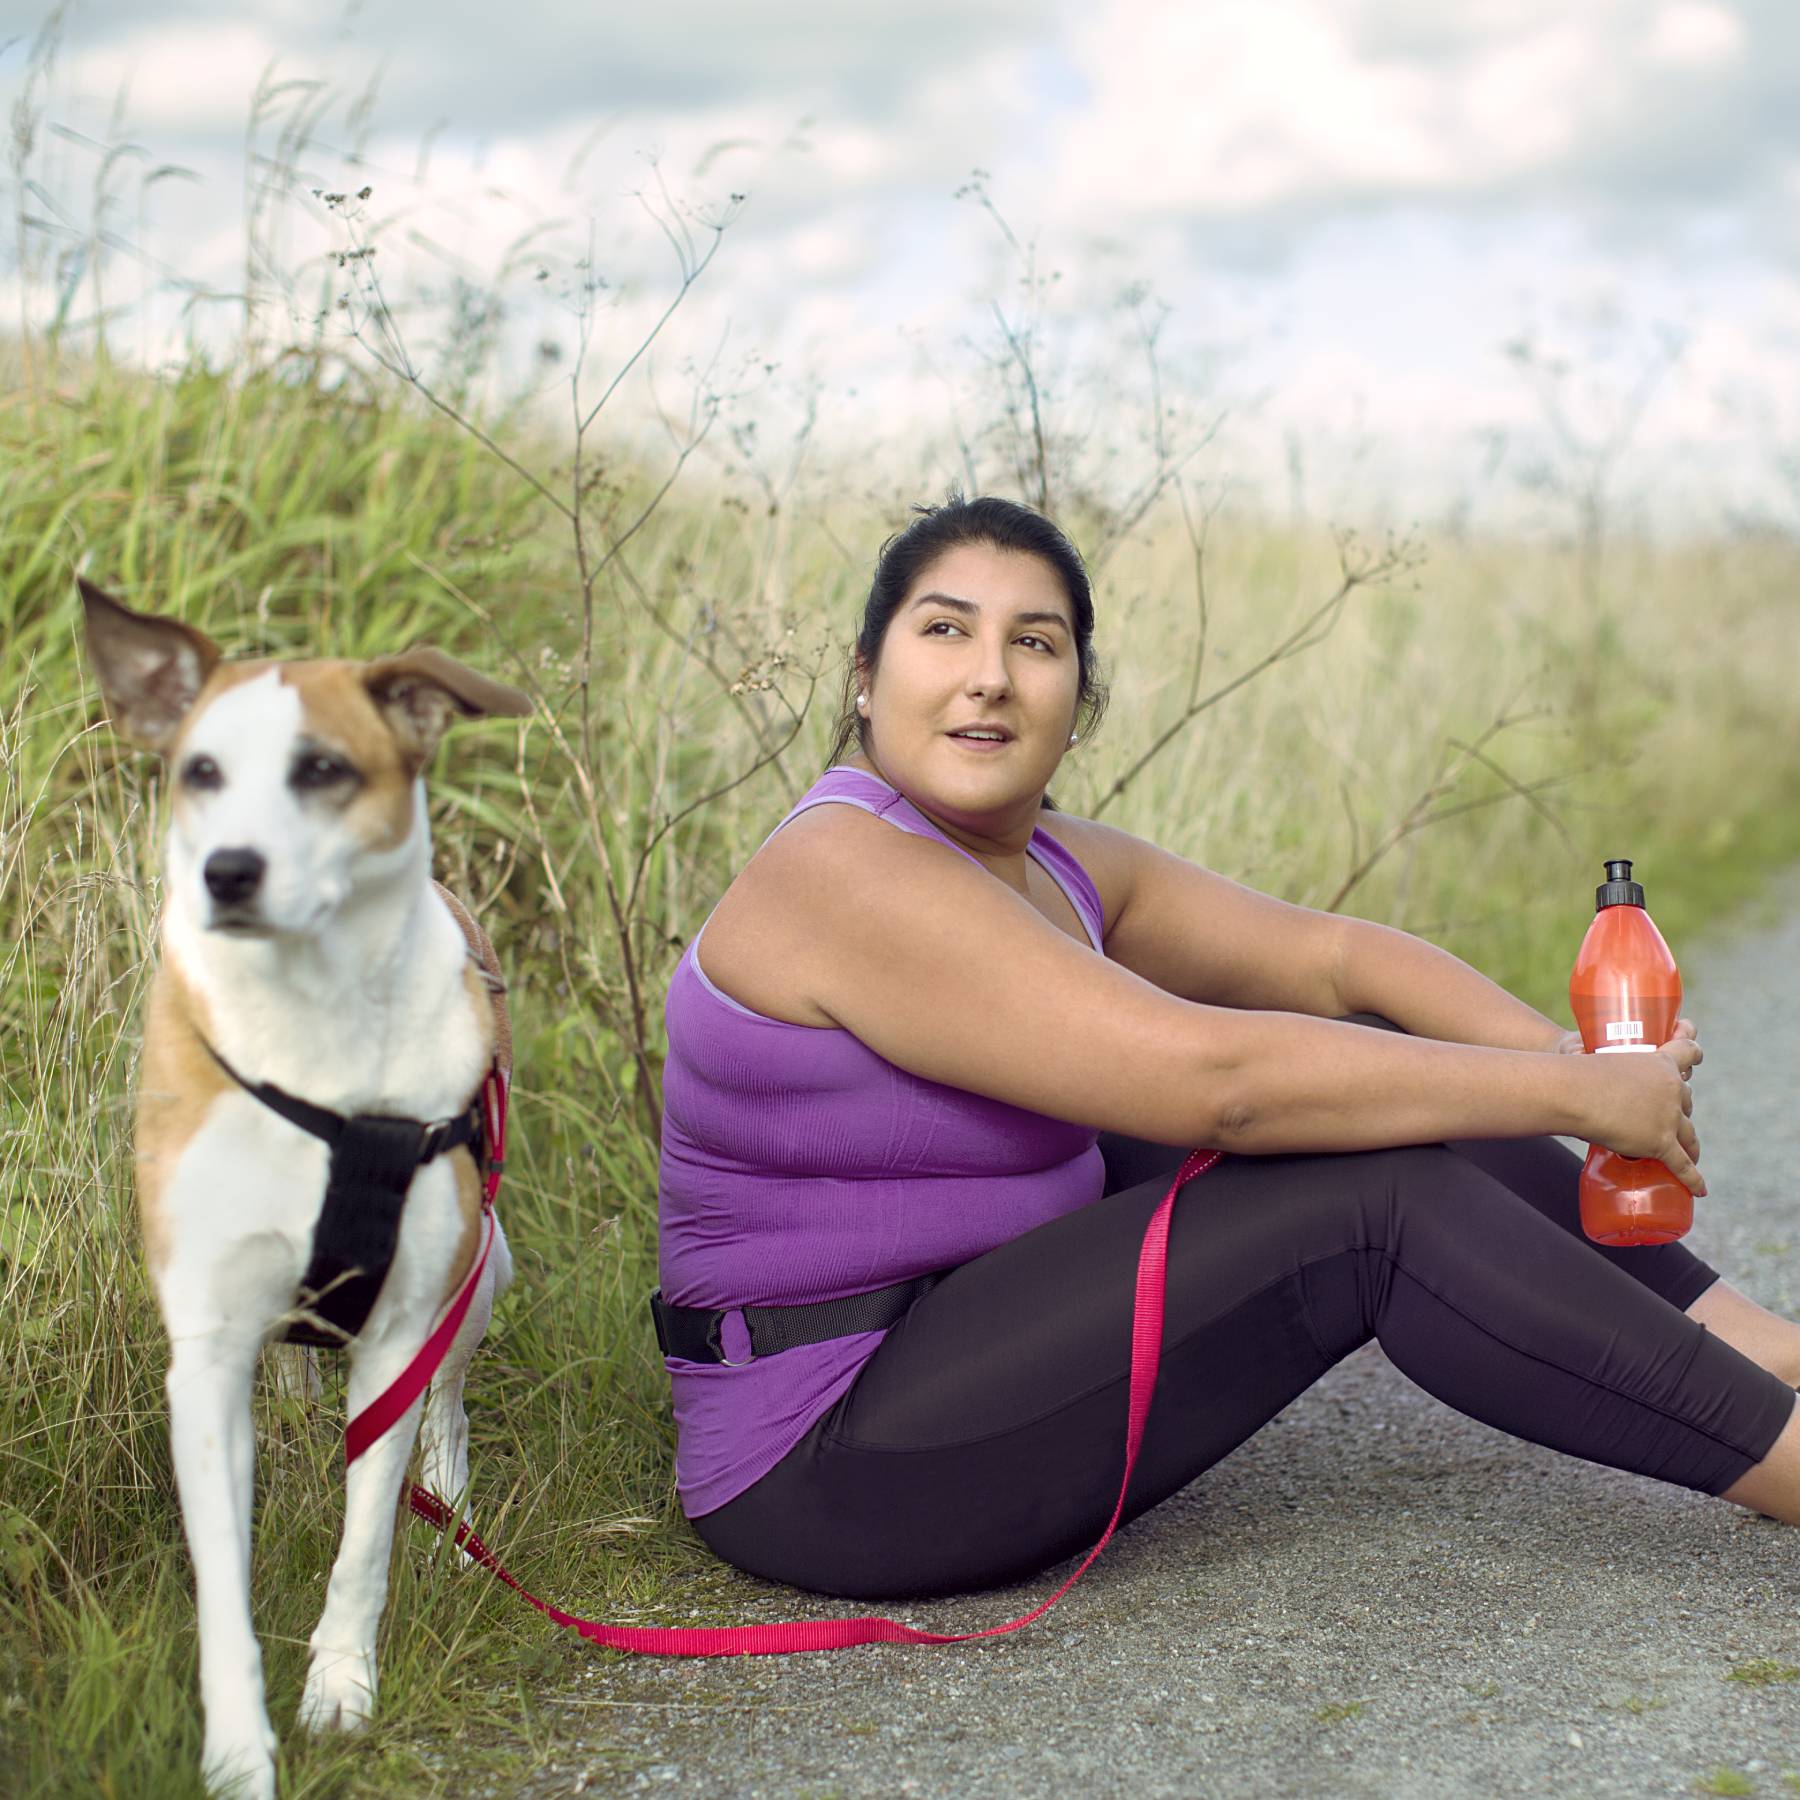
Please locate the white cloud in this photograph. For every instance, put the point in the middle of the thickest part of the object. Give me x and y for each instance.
(1232, 107)
(1280, 110)
(1520, 103)
(1695, 34)
(1369, 194)
(182, 77)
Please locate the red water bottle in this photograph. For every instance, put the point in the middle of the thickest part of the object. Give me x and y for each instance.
(1626, 993)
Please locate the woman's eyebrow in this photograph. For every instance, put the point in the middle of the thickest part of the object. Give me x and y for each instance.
(969, 606)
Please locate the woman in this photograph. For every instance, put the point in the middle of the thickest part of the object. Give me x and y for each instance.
(942, 1026)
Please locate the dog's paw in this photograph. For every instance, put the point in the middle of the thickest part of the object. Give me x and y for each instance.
(240, 1769)
(340, 1690)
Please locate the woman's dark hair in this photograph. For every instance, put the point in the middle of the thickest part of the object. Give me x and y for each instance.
(1005, 525)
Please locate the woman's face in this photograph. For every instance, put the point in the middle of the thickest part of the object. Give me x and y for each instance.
(984, 637)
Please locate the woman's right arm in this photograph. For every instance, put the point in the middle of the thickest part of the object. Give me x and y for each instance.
(1318, 1084)
(947, 973)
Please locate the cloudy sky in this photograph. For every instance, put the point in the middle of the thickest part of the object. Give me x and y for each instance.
(1343, 211)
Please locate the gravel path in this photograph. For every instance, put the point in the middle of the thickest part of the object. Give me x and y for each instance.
(1373, 1596)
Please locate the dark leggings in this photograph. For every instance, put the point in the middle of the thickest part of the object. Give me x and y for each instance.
(985, 1439)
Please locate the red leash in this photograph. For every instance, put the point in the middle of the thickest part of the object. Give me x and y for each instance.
(785, 1639)
(389, 1407)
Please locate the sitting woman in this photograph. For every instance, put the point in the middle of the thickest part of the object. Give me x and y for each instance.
(939, 1051)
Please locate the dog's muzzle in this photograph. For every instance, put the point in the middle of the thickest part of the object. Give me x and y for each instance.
(233, 876)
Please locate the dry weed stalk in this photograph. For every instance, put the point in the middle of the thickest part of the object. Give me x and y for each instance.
(1450, 770)
(1357, 568)
(1582, 472)
(601, 527)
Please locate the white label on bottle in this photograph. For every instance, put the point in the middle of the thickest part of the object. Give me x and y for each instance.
(1625, 1049)
(1632, 1030)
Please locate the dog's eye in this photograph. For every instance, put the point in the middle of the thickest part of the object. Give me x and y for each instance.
(202, 774)
(320, 769)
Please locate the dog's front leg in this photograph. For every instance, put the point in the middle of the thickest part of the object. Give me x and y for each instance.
(444, 1434)
(341, 1677)
(214, 1450)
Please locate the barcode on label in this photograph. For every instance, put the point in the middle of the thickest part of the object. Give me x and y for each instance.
(1625, 1030)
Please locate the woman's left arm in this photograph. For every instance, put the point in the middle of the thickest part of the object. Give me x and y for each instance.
(1433, 994)
(1206, 938)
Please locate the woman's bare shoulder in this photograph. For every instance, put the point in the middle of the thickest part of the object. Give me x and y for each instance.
(754, 948)
(1109, 855)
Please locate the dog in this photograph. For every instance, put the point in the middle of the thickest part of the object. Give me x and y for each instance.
(306, 961)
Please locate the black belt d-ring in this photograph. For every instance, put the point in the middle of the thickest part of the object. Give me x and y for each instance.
(694, 1333)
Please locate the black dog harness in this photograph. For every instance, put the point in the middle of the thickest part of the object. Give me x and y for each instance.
(374, 1157)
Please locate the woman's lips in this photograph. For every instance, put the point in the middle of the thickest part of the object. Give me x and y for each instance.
(980, 743)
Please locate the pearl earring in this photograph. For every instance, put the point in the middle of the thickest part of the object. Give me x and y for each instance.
(1073, 735)
(862, 700)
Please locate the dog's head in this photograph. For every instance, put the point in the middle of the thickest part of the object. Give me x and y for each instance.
(292, 784)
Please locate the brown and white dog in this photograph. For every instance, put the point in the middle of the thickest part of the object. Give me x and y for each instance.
(304, 946)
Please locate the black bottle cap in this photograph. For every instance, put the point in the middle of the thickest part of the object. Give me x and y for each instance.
(1618, 889)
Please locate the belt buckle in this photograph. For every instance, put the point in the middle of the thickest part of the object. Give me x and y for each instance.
(715, 1338)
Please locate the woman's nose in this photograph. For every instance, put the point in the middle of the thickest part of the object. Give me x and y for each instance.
(990, 678)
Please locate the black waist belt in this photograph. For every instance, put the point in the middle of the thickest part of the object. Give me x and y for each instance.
(693, 1332)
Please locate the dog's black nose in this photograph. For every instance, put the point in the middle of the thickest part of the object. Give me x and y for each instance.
(232, 876)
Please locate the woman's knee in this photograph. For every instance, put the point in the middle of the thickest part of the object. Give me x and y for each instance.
(1422, 1188)
(1302, 1209)
(1372, 1214)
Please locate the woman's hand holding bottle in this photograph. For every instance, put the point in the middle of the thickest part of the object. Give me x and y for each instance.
(1642, 1106)
(1568, 1043)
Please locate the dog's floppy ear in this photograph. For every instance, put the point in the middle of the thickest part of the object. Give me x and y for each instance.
(151, 667)
(421, 690)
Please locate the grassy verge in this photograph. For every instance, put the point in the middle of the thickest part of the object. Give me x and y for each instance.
(1429, 755)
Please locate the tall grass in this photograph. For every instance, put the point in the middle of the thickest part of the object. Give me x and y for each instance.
(1410, 752)
(281, 516)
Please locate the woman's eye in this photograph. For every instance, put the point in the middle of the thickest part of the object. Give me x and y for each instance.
(1030, 637)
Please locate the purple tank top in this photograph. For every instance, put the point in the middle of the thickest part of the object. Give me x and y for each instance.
(797, 1165)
